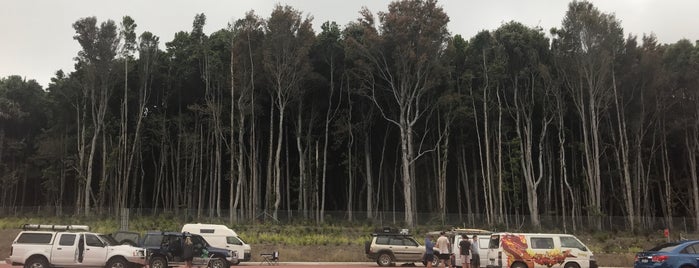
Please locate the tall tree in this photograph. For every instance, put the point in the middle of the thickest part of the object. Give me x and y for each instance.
(99, 47)
(288, 39)
(405, 52)
(587, 45)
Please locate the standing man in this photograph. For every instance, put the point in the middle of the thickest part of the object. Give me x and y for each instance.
(443, 245)
(464, 248)
(475, 258)
(429, 251)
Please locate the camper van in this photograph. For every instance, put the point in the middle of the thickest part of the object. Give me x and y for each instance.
(528, 250)
(483, 240)
(221, 236)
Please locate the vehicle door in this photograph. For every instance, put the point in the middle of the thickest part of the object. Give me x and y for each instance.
(236, 245)
(401, 251)
(65, 250)
(95, 251)
(543, 254)
(573, 249)
(483, 250)
(689, 255)
(199, 246)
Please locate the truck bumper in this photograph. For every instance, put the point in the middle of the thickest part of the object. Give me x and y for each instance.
(140, 260)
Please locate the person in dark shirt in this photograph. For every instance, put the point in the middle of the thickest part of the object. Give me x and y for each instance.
(464, 250)
(188, 252)
(429, 251)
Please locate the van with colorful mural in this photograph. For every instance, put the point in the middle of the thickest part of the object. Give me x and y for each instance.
(530, 250)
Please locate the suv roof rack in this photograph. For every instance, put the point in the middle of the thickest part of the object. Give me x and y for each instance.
(54, 227)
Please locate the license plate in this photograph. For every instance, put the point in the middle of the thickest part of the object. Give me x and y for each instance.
(644, 260)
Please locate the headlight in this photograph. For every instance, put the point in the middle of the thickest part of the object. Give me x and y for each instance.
(139, 253)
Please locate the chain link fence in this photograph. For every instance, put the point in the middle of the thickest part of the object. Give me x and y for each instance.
(510, 223)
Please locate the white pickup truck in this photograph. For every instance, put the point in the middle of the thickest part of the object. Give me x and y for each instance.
(44, 249)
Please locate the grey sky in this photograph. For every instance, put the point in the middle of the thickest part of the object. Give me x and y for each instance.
(37, 35)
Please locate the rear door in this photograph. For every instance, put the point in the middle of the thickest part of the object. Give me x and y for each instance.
(402, 248)
(65, 250)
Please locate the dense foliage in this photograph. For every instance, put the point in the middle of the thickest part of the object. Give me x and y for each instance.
(389, 113)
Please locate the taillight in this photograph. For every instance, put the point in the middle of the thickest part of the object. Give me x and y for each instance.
(659, 258)
(635, 258)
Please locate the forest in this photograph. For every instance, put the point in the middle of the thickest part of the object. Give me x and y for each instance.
(388, 113)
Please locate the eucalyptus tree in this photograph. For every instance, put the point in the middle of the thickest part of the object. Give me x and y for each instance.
(99, 48)
(288, 39)
(404, 52)
(525, 88)
(127, 32)
(248, 34)
(678, 122)
(586, 49)
(329, 53)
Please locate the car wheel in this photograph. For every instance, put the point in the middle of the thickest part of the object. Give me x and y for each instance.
(158, 262)
(36, 262)
(384, 260)
(117, 263)
(217, 263)
(571, 265)
(518, 265)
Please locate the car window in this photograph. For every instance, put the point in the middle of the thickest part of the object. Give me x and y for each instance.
(153, 240)
(410, 242)
(667, 247)
(483, 242)
(494, 241)
(571, 242)
(397, 241)
(232, 240)
(67, 240)
(93, 241)
(199, 241)
(35, 238)
(541, 242)
(691, 249)
(382, 240)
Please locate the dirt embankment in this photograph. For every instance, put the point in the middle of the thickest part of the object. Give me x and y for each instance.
(321, 253)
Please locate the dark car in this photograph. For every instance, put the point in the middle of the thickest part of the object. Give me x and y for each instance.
(165, 249)
(682, 254)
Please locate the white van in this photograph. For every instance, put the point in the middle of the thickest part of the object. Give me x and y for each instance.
(483, 240)
(528, 250)
(221, 236)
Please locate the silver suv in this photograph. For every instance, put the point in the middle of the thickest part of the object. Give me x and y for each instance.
(387, 248)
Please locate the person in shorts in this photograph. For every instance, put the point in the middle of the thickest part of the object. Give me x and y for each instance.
(429, 251)
(444, 255)
(464, 250)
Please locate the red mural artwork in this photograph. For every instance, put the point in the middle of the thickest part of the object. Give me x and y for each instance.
(517, 249)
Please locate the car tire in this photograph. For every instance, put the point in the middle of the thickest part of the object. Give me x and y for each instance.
(384, 260)
(571, 265)
(217, 262)
(117, 263)
(518, 265)
(36, 262)
(158, 262)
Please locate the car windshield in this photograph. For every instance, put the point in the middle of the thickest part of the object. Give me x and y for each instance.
(667, 247)
(109, 240)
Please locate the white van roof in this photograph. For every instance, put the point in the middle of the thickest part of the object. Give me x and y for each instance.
(205, 228)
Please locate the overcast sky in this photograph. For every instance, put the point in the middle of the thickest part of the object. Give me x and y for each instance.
(36, 36)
